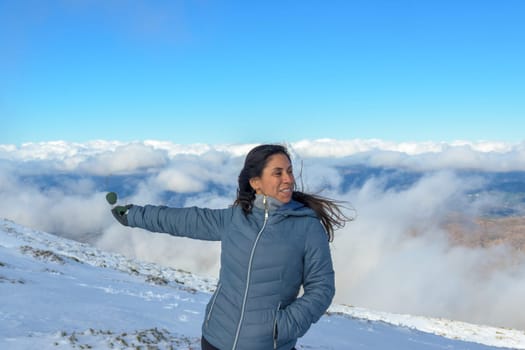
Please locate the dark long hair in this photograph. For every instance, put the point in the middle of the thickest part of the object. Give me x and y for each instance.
(328, 210)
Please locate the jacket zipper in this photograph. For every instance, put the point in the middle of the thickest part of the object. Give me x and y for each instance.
(213, 303)
(249, 274)
(275, 327)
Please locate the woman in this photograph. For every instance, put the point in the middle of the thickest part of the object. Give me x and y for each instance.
(274, 240)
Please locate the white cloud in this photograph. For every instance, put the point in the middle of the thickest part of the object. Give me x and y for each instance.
(105, 157)
(178, 181)
(394, 257)
(73, 210)
(124, 159)
(397, 257)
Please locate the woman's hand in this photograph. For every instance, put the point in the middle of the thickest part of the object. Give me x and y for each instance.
(120, 212)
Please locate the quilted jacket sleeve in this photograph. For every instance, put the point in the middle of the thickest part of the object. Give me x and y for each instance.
(192, 222)
(318, 285)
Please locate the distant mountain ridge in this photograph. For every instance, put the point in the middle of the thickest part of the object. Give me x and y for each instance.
(510, 185)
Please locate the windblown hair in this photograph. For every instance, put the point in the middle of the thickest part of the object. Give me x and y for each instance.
(328, 210)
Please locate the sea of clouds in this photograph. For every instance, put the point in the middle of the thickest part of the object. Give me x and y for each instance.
(394, 256)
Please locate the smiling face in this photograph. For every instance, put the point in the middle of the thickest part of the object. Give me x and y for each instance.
(276, 180)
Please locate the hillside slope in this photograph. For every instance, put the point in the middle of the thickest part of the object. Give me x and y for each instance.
(61, 294)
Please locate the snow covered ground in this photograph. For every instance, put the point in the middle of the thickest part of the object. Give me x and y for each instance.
(60, 294)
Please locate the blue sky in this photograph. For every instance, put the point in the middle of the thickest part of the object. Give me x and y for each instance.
(240, 71)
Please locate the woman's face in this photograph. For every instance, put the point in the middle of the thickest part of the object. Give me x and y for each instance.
(276, 180)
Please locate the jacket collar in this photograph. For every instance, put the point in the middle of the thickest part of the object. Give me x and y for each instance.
(271, 203)
(293, 208)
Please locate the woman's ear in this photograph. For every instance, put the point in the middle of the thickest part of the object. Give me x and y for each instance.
(254, 182)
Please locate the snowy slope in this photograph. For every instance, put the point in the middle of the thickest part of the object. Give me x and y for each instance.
(60, 294)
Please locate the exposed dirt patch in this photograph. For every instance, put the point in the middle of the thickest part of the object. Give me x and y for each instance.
(42, 254)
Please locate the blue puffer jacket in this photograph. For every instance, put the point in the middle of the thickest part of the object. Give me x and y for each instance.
(265, 258)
